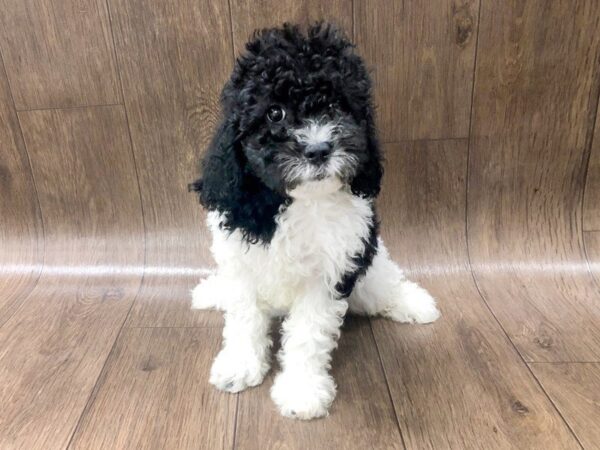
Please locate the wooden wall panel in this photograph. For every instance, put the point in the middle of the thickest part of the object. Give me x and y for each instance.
(422, 55)
(163, 374)
(457, 383)
(58, 53)
(83, 165)
(174, 58)
(591, 206)
(54, 346)
(249, 15)
(534, 94)
(21, 230)
(573, 387)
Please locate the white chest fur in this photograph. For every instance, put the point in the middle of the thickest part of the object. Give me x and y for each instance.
(315, 238)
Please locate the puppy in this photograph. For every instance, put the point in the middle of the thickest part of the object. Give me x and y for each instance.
(289, 182)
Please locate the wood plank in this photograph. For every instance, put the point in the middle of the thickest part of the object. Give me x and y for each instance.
(361, 415)
(251, 15)
(592, 248)
(154, 393)
(165, 299)
(84, 169)
(534, 95)
(174, 58)
(422, 54)
(574, 389)
(591, 206)
(53, 348)
(58, 54)
(457, 383)
(21, 228)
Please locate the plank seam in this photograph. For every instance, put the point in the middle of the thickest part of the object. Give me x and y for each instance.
(37, 196)
(55, 108)
(135, 164)
(553, 404)
(231, 30)
(402, 141)
(387, 384)
(589, 141)
(564, 362)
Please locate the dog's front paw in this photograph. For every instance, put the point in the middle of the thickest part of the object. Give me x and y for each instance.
(303, 396)
(234, 371)
(414, 305)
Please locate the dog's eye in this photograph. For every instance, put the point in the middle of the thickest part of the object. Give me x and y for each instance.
(275, 114)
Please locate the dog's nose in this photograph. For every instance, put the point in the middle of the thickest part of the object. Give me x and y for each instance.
(318, 152)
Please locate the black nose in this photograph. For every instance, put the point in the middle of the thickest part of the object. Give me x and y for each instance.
(318, 152)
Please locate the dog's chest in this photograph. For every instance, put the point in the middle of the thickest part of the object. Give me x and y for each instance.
(313, 234)
(314, 242)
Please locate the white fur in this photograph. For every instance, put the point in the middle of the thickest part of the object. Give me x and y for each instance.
(384, 291)
(311, 189)
(315, 132)
(295, 275)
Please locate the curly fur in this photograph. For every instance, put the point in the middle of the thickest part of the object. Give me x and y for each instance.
(302, 73)
(289, 181)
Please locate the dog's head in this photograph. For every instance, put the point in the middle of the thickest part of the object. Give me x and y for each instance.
(298, 122)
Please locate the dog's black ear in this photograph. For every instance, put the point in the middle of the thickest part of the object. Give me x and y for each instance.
(367, 182)
(229, 186)
(221, 182)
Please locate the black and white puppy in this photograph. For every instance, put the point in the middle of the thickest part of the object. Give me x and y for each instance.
(290, 181)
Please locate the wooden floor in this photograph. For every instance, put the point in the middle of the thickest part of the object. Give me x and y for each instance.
(488, 112)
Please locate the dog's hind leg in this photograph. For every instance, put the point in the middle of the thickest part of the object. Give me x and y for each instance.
(212, 293)
(384, 291)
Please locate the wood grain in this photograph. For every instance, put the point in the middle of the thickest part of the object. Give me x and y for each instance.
(422, 55)
(53, 348)
(154, 393)
(249, 15)
(592, 247)
(362, 415)
(58, 54)
(174, 59)
(21, 229)
(95, 200)
(457, 383)
(591, 206)
(534, 95)
(574, 389)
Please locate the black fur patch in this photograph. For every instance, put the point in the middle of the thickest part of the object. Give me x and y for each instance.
(363, 261)
(229, 186)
